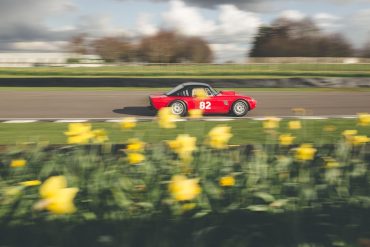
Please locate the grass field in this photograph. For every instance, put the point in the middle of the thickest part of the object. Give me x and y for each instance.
(244, 131)
(197, 70)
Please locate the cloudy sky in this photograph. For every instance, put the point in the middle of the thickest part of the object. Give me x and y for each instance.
(228, 25)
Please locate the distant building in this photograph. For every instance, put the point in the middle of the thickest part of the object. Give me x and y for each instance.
(31, 59)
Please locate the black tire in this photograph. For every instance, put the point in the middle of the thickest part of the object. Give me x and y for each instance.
(178, 107)
(240, 108)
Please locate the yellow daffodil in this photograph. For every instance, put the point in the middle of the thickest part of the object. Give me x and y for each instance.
(135, 158)
(128, 123)
(62, 202)
(227, 181)
(183, 188)
(188, 206)
(294, 125)
(100, 136)
(30, 183)
(219, 137)
(359, 140)
(52, 185)
(183, 146)
(135, 145)
(18, 163)
(363, 119)
(305, 152)
(331, 163)
(349, 133)
(79, 133)
(271, 123)
(200, 93)
(56, 197)
(166, 119)
(195, 113)
(329, 128)
(78, 129)
(286, 139)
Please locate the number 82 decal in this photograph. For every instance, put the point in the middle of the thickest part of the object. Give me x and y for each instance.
(205, 105)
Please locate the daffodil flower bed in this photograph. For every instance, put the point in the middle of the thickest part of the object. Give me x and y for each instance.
(187, 190)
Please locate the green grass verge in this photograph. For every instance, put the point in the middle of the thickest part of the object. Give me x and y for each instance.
(244, 131)
(197, 71)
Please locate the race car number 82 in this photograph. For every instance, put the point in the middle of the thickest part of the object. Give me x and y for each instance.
(205, 105)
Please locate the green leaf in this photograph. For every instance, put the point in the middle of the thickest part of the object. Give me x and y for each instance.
(264, 196)
(258, 208)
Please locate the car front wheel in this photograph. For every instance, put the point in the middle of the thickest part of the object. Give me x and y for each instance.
(240, 108)
(178, 107)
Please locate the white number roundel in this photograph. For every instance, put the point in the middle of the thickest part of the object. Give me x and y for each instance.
(205, 105)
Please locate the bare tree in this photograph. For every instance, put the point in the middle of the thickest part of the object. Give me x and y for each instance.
(365, 52)
(288, 38)
(78, 44)
(113, 49)
(197, 50)
(163, 47)
(171, 47)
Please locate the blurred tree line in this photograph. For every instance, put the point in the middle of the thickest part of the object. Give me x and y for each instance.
(162, 47)
(302, 38)
(283, 38)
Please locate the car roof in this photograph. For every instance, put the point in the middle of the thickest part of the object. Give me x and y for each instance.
(186, 84)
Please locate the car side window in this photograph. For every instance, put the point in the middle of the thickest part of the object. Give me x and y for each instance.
(201, 91)
(208, 91)
(184, 92)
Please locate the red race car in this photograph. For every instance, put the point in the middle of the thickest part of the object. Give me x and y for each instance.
(183, 98)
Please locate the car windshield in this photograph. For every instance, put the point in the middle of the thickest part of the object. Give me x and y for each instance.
(213, 91)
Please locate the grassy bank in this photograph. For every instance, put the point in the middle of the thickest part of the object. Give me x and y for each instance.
(198, 71)
(244, 131)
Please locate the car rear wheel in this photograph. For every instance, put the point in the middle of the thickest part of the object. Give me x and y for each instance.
(178, 107)
(240, 108)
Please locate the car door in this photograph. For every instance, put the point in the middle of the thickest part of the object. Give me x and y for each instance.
(210, 103)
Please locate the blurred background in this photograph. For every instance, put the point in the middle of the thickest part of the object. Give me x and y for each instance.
(94, 32)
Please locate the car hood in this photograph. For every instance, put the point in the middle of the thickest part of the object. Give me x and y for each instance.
(227, 93)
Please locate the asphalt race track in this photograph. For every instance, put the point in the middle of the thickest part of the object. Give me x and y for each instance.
(110, 104)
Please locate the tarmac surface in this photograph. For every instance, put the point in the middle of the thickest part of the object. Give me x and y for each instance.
(110, 104)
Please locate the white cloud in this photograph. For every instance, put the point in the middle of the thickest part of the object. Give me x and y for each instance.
(99, 25)
(187, 20)
(229, 52)
(237, 24)
(228, 35)
(327, 22)
(357, 27)
(292, 15)
(39, 45)
(144, 25)
(24, 21)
